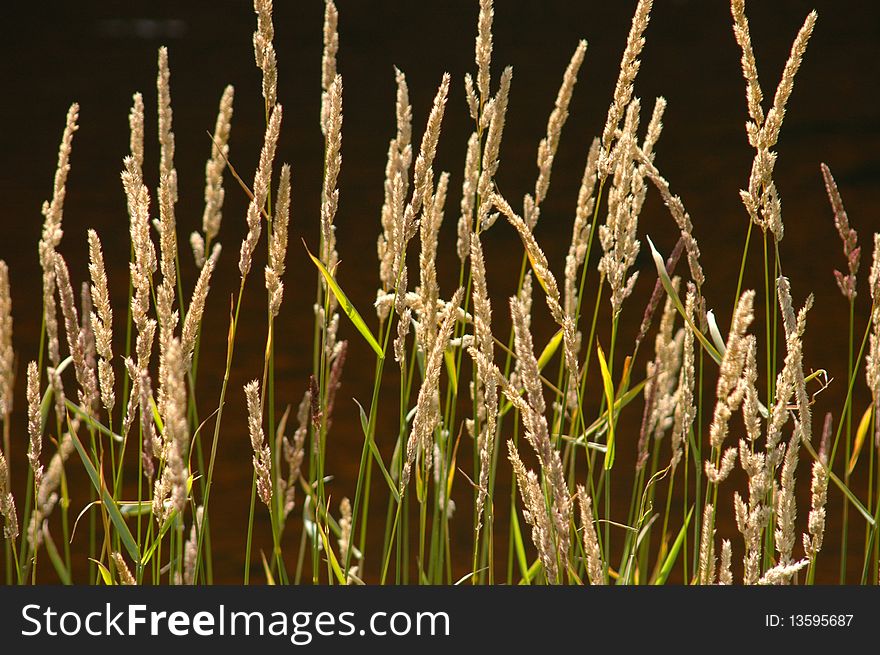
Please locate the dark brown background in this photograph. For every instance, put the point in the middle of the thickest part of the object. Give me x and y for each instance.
(99, 53)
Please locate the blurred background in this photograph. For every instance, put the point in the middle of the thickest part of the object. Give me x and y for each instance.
(99, 53)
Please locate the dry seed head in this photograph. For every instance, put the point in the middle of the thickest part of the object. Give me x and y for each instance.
(136, 127)
(57, 393)
(294, 453)
(725, 574)
(685, 411)
(166, 135)
(468, 196)
(535, 513)
(717, 475)
(497, 116)
(395, 186)
(125, 576)
(629, 68)
(334, 380)
(751, 402)
(849, 237)
(51, 235)
(102, 322)
(428, 289)
(872, 359)
(793, 370)
(262, 457)
(344, 529)
(773, 123)
(87, 332)
(483, 49)
(141, 394)
(618, 235)
(35, 428)
(427, 415)
(278, 245)
(661, 377)
(548, 146)
(403, 111)
(53, 210)
(423, 175)
(729, 392)
(103, 326)
(403, 325)
(752, 517)
(786, 502)
(264, 51)
(47, 493)
(193, 320)
(214, 192)
(50, 314)
(333, 162)
(486, 395)
(577, 250)
(7, 354)
(754, 95)
(85, 375)
(595, 567)
(7, 502)
(331, 45)
(144, 264)
(874, 275)
(816, 521)
(707, 547)
(525, 353)
(782, 573)
(262, 178)
(197, 244)
(532, 410)
(175, 436)
(190, 549)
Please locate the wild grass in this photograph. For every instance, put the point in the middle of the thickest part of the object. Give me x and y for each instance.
(724, 412)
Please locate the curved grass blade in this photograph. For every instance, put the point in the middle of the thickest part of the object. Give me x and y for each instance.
(609, 398)
(449, 358)
(346, 305)
(667, 285)
(520, 549)
(550, 350)
(109, 503)
(862, 431)
(669, 562)
(55, 557)
(105, 574)
(598, 426)
(270, 579)
(376, 454)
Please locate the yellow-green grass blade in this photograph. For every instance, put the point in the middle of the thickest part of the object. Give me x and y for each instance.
(609, 398)
(105, 573)
(55, 558)
(109, 503)
(861, 433)
(520, 549)
(669, 562)
(377, 455)
(667, 285)
(347, 306)
(550, 350)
